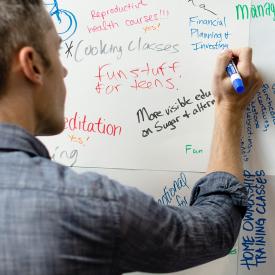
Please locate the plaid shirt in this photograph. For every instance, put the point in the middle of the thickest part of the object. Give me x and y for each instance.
(55, 221)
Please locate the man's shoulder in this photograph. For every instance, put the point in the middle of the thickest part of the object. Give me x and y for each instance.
(67, 181)
(45, 175)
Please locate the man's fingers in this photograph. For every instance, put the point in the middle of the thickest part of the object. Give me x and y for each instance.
(223, 60)
(244, 56)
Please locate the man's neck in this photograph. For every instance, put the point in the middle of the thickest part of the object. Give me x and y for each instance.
(17, 110)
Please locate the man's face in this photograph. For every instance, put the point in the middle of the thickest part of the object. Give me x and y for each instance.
(50, 107)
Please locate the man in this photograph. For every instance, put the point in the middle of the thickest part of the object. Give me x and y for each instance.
(54, 221)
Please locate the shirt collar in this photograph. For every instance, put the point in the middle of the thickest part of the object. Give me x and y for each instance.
(15, 138)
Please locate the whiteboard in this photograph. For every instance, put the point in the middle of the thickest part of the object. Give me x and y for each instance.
(139, 106)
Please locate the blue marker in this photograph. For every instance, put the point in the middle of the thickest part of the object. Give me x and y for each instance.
(235, 77)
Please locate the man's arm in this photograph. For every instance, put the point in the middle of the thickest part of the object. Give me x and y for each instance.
(156, 238)
(229, 108)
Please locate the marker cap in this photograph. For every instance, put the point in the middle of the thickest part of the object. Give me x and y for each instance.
(238, 85)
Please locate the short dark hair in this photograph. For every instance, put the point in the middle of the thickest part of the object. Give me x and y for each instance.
(22, 23)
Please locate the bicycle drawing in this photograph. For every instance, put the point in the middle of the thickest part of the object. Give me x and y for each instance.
(65, 21)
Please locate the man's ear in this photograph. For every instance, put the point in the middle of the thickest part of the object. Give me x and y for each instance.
(31, 65)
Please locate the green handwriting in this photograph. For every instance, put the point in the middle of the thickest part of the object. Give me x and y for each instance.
(255, 11)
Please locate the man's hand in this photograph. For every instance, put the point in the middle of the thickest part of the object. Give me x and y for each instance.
(222, 88)
(229, 108)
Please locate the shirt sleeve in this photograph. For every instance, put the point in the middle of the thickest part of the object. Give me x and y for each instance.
(157, 238)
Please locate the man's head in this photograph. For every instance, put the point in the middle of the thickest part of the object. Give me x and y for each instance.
(30, 68)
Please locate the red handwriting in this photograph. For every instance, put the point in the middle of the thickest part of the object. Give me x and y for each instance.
(100, 126)
(118, 10)
(104, 26)
(104, 20)
(148, 18)
(148, 77)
